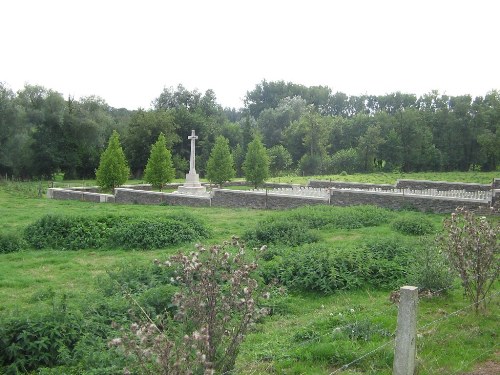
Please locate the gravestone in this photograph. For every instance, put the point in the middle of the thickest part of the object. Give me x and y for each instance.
(192, 185)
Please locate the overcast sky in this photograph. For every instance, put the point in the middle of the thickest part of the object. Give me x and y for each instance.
(127, 51)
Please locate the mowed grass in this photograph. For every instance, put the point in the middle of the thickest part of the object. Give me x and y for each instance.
(392, 177)
(303, 339)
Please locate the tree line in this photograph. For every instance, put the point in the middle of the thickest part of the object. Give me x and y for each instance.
(306, 130)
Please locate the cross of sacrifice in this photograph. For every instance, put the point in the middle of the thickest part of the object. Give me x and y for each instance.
(193, 138)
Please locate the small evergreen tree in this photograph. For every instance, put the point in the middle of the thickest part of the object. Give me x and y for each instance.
(160, 168)
(113, 168)
(256, 165)
(220, 166)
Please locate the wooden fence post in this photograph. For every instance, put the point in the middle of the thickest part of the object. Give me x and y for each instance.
(405, 349)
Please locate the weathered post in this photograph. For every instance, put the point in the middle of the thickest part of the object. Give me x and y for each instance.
(405, 349)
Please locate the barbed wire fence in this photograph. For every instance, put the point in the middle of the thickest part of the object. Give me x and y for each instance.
(419, 333)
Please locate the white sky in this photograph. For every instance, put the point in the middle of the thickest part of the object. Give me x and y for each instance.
(127, 51)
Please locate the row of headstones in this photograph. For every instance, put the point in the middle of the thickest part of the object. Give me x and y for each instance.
(322, 192)
(462, 194)
(298, 191)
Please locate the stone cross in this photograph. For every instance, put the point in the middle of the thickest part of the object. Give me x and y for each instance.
(193, 138)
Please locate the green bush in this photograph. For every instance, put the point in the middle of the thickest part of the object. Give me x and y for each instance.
(318, 268)
(413, 225)
(144, 234)
(158, 300)
(429, 270)
(26, 344)
(339, 217)
(10, 243)
(69, 232)
(280, 231)
(388, 261)
(86, 232)
(134, 278)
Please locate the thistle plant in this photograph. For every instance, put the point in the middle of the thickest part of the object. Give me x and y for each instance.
(472, 248)
(217, 304)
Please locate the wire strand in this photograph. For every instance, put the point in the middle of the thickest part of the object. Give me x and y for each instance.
(456, 312)
(345, 367)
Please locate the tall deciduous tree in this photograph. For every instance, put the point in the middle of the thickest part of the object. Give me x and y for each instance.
(256, 165)
(280, 160)
(220, 166)
(113, 168)
(159, 169)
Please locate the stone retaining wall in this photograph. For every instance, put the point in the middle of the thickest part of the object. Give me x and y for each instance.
(284, 200)
(259, 199)
(65, 194)
(131, 196)
(238, 198)
(400, 201)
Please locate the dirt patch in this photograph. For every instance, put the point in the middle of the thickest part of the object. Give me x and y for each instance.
(487, 368)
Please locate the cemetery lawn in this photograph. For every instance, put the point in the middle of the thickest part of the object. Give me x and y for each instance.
(392, 177)
(309, 333)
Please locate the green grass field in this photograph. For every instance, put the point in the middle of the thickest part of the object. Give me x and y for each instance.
(311, 334)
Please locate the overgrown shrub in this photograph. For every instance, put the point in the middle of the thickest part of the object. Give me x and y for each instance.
(26, 344)
(429, 269)
(319, 268)
(472, 248)
(216, 305)
(129, 277)
(339, 217)
(388, 260)
(83, 232)
(280, 231)
(69, 232)
(413, 225)
(144, 234)
(10, 243)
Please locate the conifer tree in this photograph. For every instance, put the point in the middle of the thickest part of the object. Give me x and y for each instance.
(160, 168)
(220, 166)
(113, 168)
(256, 165)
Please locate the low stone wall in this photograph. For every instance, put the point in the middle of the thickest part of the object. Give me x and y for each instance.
(495, 199)
(261, 200)
(238, 198)
(282, 199)
(131, 196)
(64, 194)
(496, 183)
(399, 201)
(348, 185)
(441, 185)
(187, 200)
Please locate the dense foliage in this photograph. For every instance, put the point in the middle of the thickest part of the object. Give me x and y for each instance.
(85, 232)
(220, 166)
(309, 130)
(10, 243)
(113, 168)
(159, 169)
(326, 269)
(415, 225)
(256, 164)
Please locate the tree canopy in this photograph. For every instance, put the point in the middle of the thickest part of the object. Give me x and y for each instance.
(159, 169)
(43, 134)
(220, 166)
(113, 168)
(256, 164)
